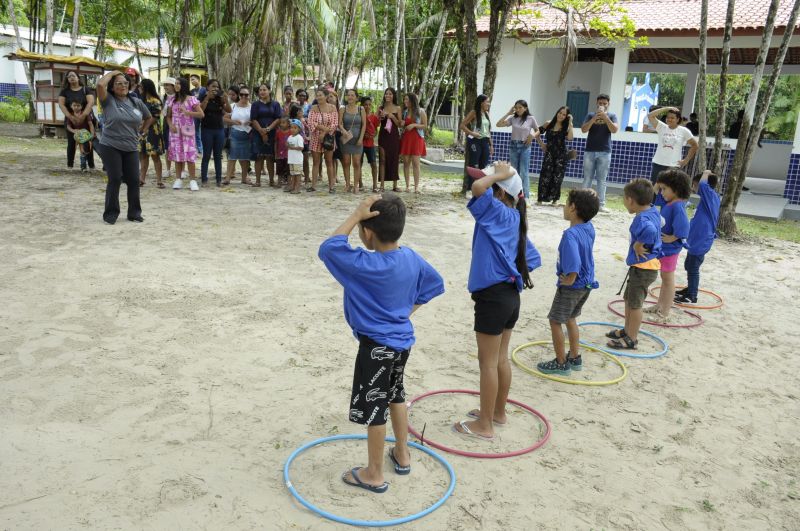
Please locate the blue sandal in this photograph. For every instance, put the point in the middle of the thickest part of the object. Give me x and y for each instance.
(378, 489)
(398, 468)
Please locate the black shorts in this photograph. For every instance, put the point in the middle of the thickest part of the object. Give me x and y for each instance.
(377, 382)
(369, 152)
(496, 308)
(567, 304)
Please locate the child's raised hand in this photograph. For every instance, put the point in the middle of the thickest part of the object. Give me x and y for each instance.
(363, 211)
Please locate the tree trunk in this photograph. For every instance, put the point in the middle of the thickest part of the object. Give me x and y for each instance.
(76, 9)
(455, 108)
(100, 45)
(701, 89)
(183, 38)
(398, 28)
(138, 57)
(498, 15)
(766, 99)
(433, 62)
(727, 219)
(12, 14)
(469, 50)
(716, 156)
(63, 16)
(50, 14)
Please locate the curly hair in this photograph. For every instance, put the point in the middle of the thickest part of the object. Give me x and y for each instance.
(677, 181)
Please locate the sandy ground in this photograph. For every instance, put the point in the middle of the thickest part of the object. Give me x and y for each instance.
(158, 375)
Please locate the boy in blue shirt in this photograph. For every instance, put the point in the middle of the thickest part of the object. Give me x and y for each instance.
(642, 260)
(575, 272)
(381, 291)
(702, 232)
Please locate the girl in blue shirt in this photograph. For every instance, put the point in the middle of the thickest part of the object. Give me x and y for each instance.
(675, 187)
(502, 258)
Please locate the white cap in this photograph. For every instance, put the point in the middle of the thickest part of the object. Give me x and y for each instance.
(168, 81)
(512, 186)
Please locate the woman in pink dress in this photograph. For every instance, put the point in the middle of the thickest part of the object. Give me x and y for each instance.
(181, 112)
(323, 119)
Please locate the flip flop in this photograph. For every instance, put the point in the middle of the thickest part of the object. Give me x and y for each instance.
(469, 433)
(378, 489)
(398, 468)
(474, 415)
(161, 185)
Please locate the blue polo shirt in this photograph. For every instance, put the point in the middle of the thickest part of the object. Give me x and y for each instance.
(494, 244)
(599, 136)
(675, 223)
(575, 256)
(703, 226)
(381, 289)
(645, 228)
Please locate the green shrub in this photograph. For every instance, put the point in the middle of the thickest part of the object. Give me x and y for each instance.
(14, 109)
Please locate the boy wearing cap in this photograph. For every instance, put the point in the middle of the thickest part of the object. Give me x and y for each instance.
(295, 146)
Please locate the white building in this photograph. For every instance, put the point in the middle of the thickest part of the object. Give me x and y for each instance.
(530, 72)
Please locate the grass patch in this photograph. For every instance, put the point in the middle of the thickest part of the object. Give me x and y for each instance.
(440, 138)
(785, 229)
(13, 110)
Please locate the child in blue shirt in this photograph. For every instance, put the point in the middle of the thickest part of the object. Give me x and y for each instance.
(502, 259)
(674, 188)
(702, 232)
(381, 290)
(642, 260)
(575, 272)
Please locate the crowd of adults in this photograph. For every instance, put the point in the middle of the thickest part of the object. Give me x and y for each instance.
(137, 125)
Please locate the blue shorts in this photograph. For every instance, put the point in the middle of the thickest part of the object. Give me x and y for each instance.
(370, 154)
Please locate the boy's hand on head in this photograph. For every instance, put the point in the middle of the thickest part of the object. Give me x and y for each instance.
(363, 211)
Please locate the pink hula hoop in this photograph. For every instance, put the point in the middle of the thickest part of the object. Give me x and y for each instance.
(465, 453)
(698, 318)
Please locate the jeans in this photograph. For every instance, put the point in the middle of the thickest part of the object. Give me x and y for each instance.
(198, 138)
(692, 265)
(214, 140)
(121, 167)
(595, 165)
(477, 157)
(519, 155)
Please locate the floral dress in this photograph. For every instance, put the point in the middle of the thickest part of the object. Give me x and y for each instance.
(553, 166)
(182, 147)
(153, 143)
(328, 119)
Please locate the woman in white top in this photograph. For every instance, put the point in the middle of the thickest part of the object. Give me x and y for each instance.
(671, 139)
(241, 150)
(523, 130)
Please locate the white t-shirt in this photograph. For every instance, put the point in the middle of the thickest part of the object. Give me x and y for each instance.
(295, 157)
(241, 114)
(670, 144)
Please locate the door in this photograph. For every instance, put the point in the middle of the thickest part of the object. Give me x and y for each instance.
(578, 103)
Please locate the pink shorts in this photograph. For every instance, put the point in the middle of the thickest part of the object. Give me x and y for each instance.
(669, 263)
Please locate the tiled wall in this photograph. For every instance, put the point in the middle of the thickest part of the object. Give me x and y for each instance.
(11, 89)
(628, 159)
(792, 189)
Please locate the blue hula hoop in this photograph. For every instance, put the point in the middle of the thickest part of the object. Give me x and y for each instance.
(627, 353)
(366, 523)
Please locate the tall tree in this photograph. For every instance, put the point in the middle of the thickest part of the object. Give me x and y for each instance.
(701, 88)
(716, 156)
(753, 122)
(498, 17)
(12, 14)
(50, 16)
(76, 10)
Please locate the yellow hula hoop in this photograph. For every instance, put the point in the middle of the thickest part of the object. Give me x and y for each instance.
(561, 379)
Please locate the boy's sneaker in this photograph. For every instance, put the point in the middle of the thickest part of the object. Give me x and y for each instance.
(193, 186)
(604, 210)
(554, 367)
(576, 364)
(684, 291)
(685, 299)
(177, 185)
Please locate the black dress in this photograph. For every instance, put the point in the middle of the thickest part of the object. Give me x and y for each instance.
(553, 166)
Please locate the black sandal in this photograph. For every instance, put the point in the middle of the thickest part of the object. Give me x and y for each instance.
(623, 343)
(617, 333)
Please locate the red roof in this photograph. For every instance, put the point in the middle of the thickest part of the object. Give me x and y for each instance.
(659, 17)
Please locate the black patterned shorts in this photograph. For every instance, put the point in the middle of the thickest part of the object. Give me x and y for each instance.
(377, 382)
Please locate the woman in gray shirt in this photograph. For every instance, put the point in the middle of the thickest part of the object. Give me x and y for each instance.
(125, 119)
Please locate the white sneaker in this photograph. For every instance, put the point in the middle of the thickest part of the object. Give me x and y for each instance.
(604, 210)
(177, 185)
(193, 186)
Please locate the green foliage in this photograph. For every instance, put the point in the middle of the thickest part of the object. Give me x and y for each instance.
(440, 137)
(14, 109)
(19, 10)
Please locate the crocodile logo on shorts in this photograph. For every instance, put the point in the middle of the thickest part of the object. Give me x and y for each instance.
(375, 394)
(356, 414)
(382, 353)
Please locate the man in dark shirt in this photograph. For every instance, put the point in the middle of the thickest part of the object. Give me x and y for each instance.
(597, 156)
(693, 125)
(194, 80)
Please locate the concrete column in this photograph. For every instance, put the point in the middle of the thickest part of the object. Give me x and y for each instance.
(618, 75)
(796, 145)
(690, 92)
